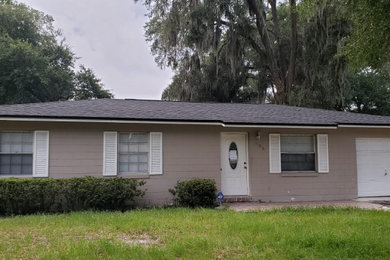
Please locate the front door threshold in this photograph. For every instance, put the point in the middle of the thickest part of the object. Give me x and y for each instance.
(237, 198)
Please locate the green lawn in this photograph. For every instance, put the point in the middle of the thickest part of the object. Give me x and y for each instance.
(199, 234)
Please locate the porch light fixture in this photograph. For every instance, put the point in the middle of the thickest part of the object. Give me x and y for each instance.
(258, 136)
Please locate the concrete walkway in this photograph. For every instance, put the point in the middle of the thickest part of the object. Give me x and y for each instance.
(378, 204)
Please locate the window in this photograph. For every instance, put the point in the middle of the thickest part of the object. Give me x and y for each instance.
(233, 155)
(16, 153)
(297, 153)
(133, 153)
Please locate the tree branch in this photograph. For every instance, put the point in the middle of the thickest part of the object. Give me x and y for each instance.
(256, 47)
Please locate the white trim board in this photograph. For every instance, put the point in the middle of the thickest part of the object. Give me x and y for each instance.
(364, 126)
(162, 122)
(66, 120)
(280, 126)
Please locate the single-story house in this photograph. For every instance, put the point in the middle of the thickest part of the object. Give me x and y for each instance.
(253, 151)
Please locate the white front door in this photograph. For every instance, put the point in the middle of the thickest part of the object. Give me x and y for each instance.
(234, 164)
(373, 166)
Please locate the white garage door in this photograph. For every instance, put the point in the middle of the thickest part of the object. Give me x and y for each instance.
(373, 166)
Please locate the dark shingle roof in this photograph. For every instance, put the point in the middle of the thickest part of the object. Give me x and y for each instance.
(227, 113)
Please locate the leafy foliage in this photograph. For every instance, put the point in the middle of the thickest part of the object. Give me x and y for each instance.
(206, 53)
(264, 51)
(195, 193)
(250, 51)
(35, 64)
(369, 44)
(322, 74)
(28, 196)
(87, 86)
(371, 92)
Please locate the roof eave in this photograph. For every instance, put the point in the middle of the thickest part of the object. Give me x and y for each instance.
(363, 125)
(160, 121)
(186, 122)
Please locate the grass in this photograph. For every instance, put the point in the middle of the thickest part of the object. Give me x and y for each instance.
(322, 233)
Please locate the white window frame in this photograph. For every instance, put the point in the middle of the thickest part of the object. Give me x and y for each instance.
(32, 154)
(118, 155)
(314, 152)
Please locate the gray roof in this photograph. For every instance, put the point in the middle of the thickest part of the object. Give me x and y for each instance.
(155, 110)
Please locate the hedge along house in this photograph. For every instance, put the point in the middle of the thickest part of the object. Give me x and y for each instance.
(255, 152)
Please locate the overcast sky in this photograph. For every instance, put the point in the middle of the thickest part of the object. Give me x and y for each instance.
(108, 36)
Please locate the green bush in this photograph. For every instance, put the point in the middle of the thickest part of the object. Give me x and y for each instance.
(195, 193)
(28, 196)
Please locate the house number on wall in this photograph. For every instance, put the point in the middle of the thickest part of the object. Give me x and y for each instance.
(233, 155)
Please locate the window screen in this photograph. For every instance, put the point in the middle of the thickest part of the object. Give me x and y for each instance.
(297, 152)
(16, 153)
(133, 153)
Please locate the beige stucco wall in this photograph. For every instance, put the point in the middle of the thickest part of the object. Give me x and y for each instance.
(339, 183)
(76, 150)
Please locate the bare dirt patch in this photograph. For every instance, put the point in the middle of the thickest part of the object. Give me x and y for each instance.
(382, 202)
(138, 239)
(131, 239)
(251, 206)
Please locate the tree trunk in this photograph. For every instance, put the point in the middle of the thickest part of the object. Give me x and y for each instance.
(282, 79)
(293, 49)
(257, 8)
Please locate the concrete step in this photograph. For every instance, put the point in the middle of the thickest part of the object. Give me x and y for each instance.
(237, 199)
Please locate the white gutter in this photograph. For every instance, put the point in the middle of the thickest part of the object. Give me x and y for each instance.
(281, 126)
(66, 120)
(364, 126)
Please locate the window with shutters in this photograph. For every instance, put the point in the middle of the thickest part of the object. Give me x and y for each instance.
(297, 153)
(16, 153)
(133, 152)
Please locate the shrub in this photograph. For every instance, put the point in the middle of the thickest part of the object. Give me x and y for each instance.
(28, 196)
(195, 193)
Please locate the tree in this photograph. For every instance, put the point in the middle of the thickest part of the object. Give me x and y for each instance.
(87, 86)
(26, 75)
(252, 51)
(35, 64)
(371, 92)
(369, 43)
(219, 46)
(358, 90)
(273, 50)
(240, 51)
(322, 73)
(206, 54)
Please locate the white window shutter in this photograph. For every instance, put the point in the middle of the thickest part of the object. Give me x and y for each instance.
(110, 154)
(322, 153)
(274, 153)
(156, 158)
(41, 154)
